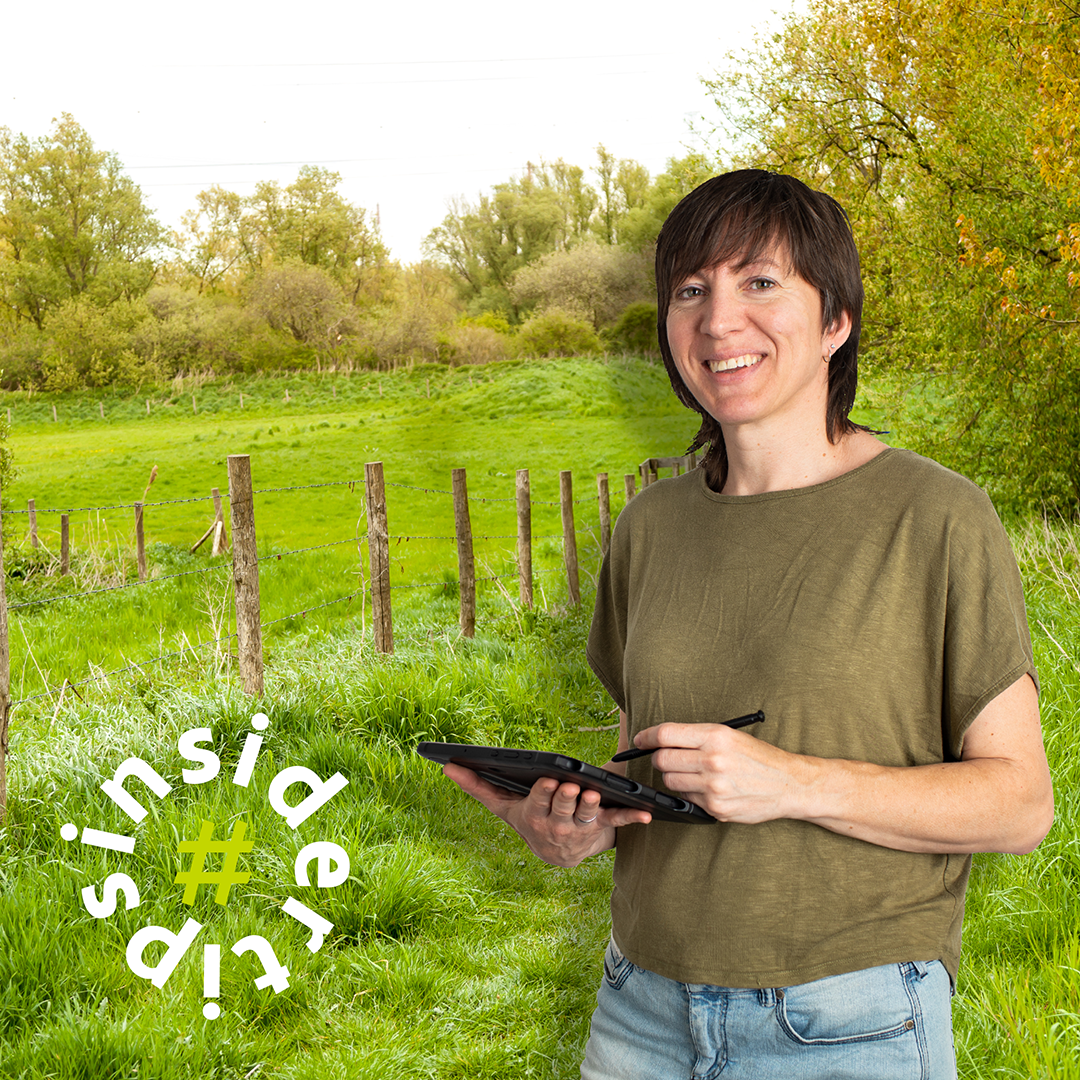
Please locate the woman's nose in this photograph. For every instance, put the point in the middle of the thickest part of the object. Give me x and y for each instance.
(722, 313)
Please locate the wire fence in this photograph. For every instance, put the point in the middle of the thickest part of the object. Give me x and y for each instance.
(373, 588)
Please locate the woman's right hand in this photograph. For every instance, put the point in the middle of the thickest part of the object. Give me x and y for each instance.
(561, 823)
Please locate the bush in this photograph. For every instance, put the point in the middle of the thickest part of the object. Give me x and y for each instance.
(469, 343)
(592, 282)
(634, 331)
(555, 333)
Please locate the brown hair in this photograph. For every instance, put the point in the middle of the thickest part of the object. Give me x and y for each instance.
(736, 218)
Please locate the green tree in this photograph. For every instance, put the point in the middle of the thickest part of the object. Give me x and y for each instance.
(71, 224)
(930, 122)
(208, 240)
(549, 209)
(303, 300)
(639, 225)
(593, 282)
(227, 238)
(623, 186)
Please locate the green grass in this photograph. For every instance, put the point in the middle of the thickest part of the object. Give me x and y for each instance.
(454, 953)
(582, 415)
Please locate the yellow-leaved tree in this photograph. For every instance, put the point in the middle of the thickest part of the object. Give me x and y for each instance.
(948, 129)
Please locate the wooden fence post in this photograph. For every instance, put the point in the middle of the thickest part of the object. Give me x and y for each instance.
(466, 566)
(566, 497)
(140, 541)
(221, 537)
(604, 498)
(524, 539)
(5, 684)
(245, 574)
(31, 513)
(630, 485)
(379, 555)
(65, 546)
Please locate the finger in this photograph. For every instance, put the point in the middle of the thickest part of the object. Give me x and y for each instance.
(493, 797)
(564, 801)
(588, 807)
(616, 817)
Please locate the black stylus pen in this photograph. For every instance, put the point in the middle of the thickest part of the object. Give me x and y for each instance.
(738, 722)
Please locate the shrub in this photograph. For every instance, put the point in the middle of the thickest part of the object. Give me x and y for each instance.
(556, 333)
(634, 331)
(468, 343)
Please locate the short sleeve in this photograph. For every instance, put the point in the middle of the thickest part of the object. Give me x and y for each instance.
(607, 635)
(987, 640)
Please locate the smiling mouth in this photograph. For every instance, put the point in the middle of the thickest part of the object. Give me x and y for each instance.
(747, 360)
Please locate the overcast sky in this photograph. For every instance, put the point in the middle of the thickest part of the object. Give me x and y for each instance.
(412, 104)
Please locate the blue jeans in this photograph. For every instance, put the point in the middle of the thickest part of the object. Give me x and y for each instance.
(884, 1023)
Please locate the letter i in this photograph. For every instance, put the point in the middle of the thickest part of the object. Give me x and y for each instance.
(211, 980)
(246, 765)
(96, 838)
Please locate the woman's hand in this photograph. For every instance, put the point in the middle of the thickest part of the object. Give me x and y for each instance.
(997, 797)
(729, 773)
(561, 823)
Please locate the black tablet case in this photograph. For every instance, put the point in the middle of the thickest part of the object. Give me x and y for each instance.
(518, 770)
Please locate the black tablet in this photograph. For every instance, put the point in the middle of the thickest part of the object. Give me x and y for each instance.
(518, 770)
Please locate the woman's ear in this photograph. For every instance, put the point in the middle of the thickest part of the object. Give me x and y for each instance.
(836, 334)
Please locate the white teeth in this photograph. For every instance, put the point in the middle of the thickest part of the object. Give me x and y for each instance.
(735, 362)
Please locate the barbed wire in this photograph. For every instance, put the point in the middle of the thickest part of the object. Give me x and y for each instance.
(304, 612)
(314, 547)
(276, 555)
(113, 506)
(114, 588)
(69, 685)
(487, 498)
(351, 484)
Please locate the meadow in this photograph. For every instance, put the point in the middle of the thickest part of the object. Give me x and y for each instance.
(453, 952)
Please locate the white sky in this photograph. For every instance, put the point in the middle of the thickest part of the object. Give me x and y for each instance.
(412, 104)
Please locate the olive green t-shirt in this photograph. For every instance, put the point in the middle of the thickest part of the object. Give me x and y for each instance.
(871, 617)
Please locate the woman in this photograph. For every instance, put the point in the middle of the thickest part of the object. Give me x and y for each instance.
(868, 601)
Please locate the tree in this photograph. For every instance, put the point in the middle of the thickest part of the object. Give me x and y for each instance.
(71, 224)
(639, 225)
(623, 186)
(592, 282)
(308, 222)
(302, 300)
(549, 209)
(946, 131)
(209, 238)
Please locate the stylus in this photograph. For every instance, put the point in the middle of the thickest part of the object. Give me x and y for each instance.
(738, 722)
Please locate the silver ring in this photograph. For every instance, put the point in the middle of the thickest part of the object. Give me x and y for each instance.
(585, 821)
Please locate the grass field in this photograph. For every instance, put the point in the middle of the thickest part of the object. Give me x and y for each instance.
(454, 953)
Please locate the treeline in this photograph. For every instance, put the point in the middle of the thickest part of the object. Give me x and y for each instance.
(951, 133)
(95, 292)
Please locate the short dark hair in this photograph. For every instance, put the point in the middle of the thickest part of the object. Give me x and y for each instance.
(738, 216)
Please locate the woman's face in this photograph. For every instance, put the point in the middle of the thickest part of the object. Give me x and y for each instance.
(749, 343)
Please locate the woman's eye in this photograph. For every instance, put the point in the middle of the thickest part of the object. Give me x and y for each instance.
(762, 284)
(688, 292)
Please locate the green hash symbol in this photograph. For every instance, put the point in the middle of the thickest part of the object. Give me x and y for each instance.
(227, 876)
